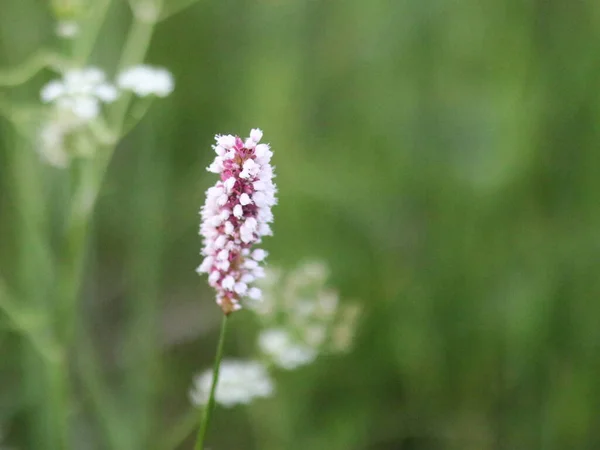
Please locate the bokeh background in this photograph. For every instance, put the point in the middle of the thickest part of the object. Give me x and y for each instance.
(442, 157)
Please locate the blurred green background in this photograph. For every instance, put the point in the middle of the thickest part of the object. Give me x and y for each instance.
(441, 156)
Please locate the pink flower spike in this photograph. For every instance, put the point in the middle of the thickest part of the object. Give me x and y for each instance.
(235, 217)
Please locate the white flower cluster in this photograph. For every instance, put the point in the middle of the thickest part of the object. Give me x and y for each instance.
(52, 138)
(144, 80)
(80, 92)
(77, 100)
(279, 345)
(240, 382)
(301, 317)
(235, 217)
(67, 29)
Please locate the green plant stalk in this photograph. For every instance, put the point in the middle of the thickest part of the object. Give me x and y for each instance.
(83, 47)
(46, 380)
(28, 324)
(133, 54)
(205, 421)
(136, 114)
(25, 71)
(88, 181)
(87, 187)
(76, 232)
(43, 384)
(52, 426)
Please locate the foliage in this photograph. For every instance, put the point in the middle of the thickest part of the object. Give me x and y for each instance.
(440, 156)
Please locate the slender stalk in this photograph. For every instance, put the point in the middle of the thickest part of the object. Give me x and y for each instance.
(134, 51)
(83, 47)
(89, 180)
(22, 73)
(28, 324)
(136, 114)
(211, 399)
(32, 327)
(42, 385)
(54, 427)
(87, 187)
(76, 233)
(87, 184)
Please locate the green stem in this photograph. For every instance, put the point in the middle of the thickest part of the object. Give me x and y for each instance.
(28, 69)
(133, 53)
(43, 361)
(30, 325)
(211, 399)
(83, 47)
(87, 186)
(136, 114)
(81, 208)
(89, 182)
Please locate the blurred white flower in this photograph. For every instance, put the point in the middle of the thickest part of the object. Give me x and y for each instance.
(51, 145)
(313, 271)
(344, 330)
(285, 351)
(301, 317)
(80, 92)
(315, 335)
(56, 138)
(67, 29)
(239, 383)
(144, 80)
